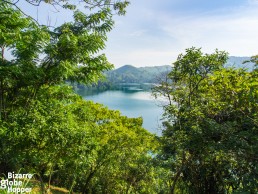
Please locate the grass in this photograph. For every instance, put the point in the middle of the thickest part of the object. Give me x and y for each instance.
(36, 188)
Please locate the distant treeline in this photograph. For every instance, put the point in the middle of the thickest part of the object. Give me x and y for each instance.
(145, 77)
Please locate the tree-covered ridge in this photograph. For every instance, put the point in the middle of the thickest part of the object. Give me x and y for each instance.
(129, 74)
(144, 77)
(240, 62)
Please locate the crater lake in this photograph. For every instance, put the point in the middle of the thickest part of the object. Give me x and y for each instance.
(131, 101)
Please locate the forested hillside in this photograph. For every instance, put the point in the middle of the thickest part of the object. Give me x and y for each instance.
(129, 74)
(239, 62)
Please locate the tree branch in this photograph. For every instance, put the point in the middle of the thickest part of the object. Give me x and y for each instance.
(14, 4)
(35, 4)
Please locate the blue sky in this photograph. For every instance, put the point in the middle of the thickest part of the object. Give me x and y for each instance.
(154, 32)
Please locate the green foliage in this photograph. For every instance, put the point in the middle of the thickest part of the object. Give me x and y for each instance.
(210, 136)
(48, 130)
(43, 57)
(79, 145)
(72, 52)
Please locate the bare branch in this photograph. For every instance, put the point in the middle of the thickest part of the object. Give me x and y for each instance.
(26, 15)
(35, 4)
(14, 4)
(16, 1)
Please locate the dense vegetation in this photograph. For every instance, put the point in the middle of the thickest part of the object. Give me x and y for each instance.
(51, 132)
(210, 138)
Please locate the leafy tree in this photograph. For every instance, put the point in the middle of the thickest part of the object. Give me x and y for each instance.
(41, 56)
(210, 136)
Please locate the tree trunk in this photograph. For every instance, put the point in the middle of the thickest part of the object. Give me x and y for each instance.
(86, 186)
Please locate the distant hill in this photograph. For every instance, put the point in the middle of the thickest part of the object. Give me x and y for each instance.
(126, 69)
(131, 74)
(237, 62)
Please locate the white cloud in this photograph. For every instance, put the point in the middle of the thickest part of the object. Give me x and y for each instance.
(253, 2)
(137, 33)
(158, 37)
(235, 33)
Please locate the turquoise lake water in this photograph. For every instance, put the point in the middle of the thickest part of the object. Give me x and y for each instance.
(131, 103)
